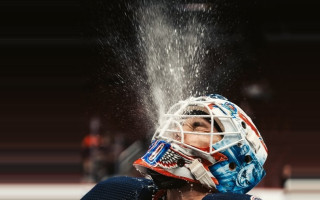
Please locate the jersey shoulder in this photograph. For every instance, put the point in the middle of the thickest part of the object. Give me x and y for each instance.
(122, 187)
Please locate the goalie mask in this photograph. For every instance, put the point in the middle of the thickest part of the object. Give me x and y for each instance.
(207, 140)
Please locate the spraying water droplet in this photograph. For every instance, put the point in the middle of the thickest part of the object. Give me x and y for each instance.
(172, 47)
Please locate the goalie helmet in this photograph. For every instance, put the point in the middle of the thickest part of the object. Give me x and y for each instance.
(229, 159)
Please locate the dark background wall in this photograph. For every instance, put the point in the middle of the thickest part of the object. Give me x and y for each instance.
(55, 76)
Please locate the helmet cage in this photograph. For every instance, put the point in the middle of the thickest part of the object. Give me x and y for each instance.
(176, 114)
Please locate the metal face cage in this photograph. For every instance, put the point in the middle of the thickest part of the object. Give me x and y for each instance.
(221, 123)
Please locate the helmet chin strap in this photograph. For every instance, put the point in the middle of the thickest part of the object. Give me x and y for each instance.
(201, 174)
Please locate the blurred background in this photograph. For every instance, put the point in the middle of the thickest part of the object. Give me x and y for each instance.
(71, 110)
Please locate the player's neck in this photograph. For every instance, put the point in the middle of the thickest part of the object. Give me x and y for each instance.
(189, 192)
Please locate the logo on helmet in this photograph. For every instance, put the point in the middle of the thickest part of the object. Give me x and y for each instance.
(156, 151)
(230, 107)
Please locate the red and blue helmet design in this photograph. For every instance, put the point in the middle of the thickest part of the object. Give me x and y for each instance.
(232, 164)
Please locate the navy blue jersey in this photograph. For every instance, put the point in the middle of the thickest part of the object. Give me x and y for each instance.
(128, 188)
